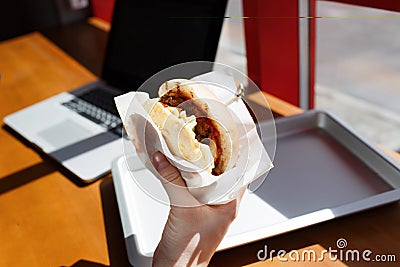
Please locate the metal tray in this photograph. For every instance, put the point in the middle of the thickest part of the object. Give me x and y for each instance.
(321, 163)
(323, 170)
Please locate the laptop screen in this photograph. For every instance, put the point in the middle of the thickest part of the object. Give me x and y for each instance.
(149, 36)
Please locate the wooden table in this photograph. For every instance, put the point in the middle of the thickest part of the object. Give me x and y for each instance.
(46, 220)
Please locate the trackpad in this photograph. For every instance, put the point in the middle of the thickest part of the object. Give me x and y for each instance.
(64, 133)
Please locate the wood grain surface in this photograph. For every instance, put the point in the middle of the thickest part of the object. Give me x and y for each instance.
(47, 220)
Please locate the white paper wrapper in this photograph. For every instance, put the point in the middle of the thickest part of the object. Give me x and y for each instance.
(252, 161)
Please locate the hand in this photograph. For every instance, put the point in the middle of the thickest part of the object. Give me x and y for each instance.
(191, 234)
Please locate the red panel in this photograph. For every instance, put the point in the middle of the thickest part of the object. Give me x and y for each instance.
(103, 9)
(393, 5)
(271, 29)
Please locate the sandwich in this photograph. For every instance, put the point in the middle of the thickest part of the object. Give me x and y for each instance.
(196, 126)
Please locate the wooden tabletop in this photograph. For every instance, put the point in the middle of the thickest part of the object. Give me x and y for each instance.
(47, 220)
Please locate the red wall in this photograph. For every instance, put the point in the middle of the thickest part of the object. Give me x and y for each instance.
(272, 47)
(103, 9)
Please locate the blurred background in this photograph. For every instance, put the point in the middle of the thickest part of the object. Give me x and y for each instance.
(357, 66)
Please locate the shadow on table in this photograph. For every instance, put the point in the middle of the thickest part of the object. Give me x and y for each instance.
(84, 263)
(112, 221)
(114, 233)
(326, 234)
(36, 171)
(25, 176)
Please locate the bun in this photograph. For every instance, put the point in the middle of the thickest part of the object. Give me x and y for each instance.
(217, 132)
(177, 130)
(190, 126)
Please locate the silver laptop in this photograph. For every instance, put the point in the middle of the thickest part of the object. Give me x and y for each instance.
(81, 129)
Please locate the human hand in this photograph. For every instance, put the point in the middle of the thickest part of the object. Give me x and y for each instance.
(191, 234)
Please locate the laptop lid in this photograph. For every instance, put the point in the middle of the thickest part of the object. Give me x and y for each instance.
(149, 36)
(145, 38)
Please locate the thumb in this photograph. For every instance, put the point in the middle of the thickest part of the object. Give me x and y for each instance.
(169, 173)
(172, 182)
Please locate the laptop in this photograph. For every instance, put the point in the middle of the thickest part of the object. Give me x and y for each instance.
(81, 129)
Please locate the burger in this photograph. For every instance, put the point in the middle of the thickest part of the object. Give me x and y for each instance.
(196, 126)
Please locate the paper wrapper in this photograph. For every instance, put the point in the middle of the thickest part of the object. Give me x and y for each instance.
(252, 161)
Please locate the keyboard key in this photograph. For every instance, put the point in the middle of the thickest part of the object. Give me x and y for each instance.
(93, 113)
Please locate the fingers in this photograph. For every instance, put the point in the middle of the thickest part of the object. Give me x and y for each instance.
(173, 182)
(167, 170)
(175, 186)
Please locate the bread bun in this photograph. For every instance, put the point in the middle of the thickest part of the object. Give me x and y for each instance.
(200, 130)
(177, 130)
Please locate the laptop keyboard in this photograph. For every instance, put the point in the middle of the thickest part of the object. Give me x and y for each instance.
(102, 99)
(97, 106)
